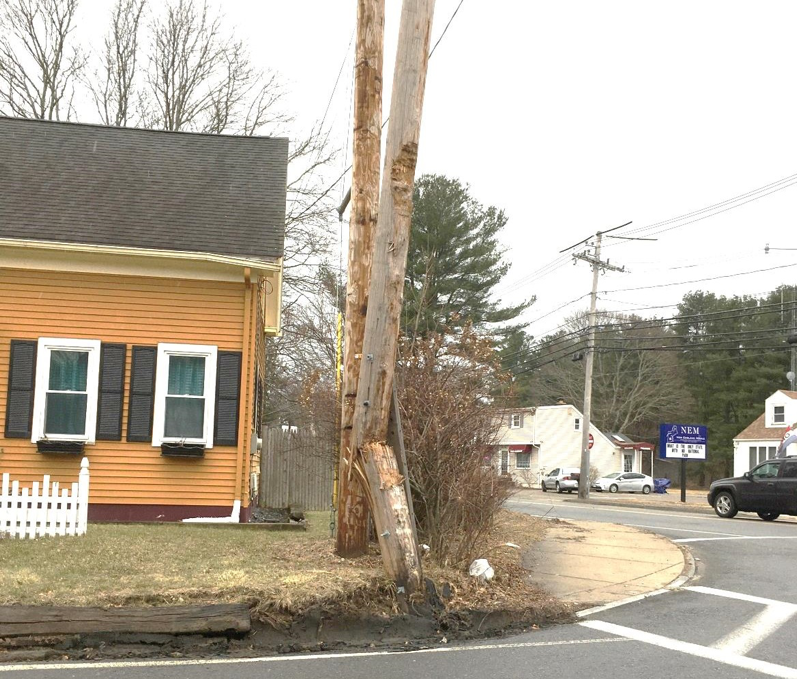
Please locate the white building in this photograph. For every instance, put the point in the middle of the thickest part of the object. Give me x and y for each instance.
(760, 440)
(533, 441)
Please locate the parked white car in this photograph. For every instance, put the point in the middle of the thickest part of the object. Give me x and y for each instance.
(624, 482)
(561, 479)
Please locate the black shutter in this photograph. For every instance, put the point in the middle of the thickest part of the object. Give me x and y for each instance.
(142, 394)
(21, 387)
(112, 386)
(228, 389)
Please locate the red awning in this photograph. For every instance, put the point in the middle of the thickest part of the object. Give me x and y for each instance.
(520, 449)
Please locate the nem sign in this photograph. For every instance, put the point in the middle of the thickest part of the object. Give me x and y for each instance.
(683, 441)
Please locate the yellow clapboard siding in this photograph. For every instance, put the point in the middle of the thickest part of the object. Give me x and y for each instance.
(134, 311)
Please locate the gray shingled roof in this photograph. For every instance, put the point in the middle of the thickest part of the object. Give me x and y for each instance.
(98, 185)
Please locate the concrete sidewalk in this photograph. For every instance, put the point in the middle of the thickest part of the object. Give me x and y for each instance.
(590, 563)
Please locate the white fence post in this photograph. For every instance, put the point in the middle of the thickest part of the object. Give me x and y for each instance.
(42, 510)
(83, 497)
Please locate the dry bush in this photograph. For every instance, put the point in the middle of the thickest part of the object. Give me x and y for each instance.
(450, 423)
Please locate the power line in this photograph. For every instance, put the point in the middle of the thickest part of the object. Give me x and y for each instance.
(792, 179)
(642, 324)
(703, 280)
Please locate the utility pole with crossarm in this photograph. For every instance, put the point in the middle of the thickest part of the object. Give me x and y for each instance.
(597, 267)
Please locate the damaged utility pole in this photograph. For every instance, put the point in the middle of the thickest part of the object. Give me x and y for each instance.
(374, 461)
(352, 517)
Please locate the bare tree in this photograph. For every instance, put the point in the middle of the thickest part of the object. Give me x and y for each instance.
(200, 76)
(113, 85)
(39, 64)
(301, 385)
(634, 386)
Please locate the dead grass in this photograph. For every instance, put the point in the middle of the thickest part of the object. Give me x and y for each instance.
(281, 574)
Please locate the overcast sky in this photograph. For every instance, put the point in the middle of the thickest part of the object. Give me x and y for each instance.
(578, 116)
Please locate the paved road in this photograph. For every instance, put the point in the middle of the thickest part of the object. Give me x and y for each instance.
(732, 621)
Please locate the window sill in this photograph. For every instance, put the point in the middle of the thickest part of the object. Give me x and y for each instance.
(178, 450)
(60, 447)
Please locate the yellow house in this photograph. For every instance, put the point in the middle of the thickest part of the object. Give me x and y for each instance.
(140, 273)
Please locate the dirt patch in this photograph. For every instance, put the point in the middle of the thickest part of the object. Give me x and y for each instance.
(314, 632)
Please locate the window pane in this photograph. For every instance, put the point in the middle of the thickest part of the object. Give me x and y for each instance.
(184, 417)
(523, 460)
(65, 414)
(68, 370)
(753, 457)
(186, 375)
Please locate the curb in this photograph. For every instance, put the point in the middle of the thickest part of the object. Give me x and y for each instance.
(687, 574)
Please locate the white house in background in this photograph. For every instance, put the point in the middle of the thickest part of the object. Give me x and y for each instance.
(533, 441)
(760, 440)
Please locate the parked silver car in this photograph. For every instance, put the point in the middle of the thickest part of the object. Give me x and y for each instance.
(561, 479)
(624, 482)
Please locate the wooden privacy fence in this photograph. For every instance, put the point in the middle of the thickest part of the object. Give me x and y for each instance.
(28, 513)
(296, 469)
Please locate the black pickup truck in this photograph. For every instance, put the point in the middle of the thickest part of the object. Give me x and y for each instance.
(770, 489)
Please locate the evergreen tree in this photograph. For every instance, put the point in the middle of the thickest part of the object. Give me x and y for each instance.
(454, 262)
(735, 358)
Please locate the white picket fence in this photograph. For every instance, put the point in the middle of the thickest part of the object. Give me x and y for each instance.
(27, 513)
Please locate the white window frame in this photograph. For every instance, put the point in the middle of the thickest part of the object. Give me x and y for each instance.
(514, 421)
(45, 346)
(577, 424)
(782, 414)
(517, 461)
(165, 351)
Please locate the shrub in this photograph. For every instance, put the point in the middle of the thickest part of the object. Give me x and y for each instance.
(450, 422)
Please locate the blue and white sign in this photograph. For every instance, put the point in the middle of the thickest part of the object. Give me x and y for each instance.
(683, 441)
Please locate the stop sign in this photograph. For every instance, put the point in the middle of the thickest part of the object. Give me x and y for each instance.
(591, 441)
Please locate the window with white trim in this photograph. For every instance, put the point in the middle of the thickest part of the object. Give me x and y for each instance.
(67, 383)
(515, 421)
(779, 414)
(185, 390)
(523, 460)
(577, 424)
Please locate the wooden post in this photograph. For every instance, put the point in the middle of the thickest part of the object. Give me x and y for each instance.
(385, 295)
(352, 518)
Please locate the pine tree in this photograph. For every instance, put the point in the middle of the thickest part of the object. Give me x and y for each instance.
(454, 262)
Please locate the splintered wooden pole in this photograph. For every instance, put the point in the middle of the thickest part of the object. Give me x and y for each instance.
(352, 517)
(391, 513)
(386, 290)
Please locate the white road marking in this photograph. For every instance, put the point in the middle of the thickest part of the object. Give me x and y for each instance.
(651, 512)
(740, 537)
(288, 658)
(728, 594)
(714, 654)
(681, 530)
(741, 641)
(622, 602)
